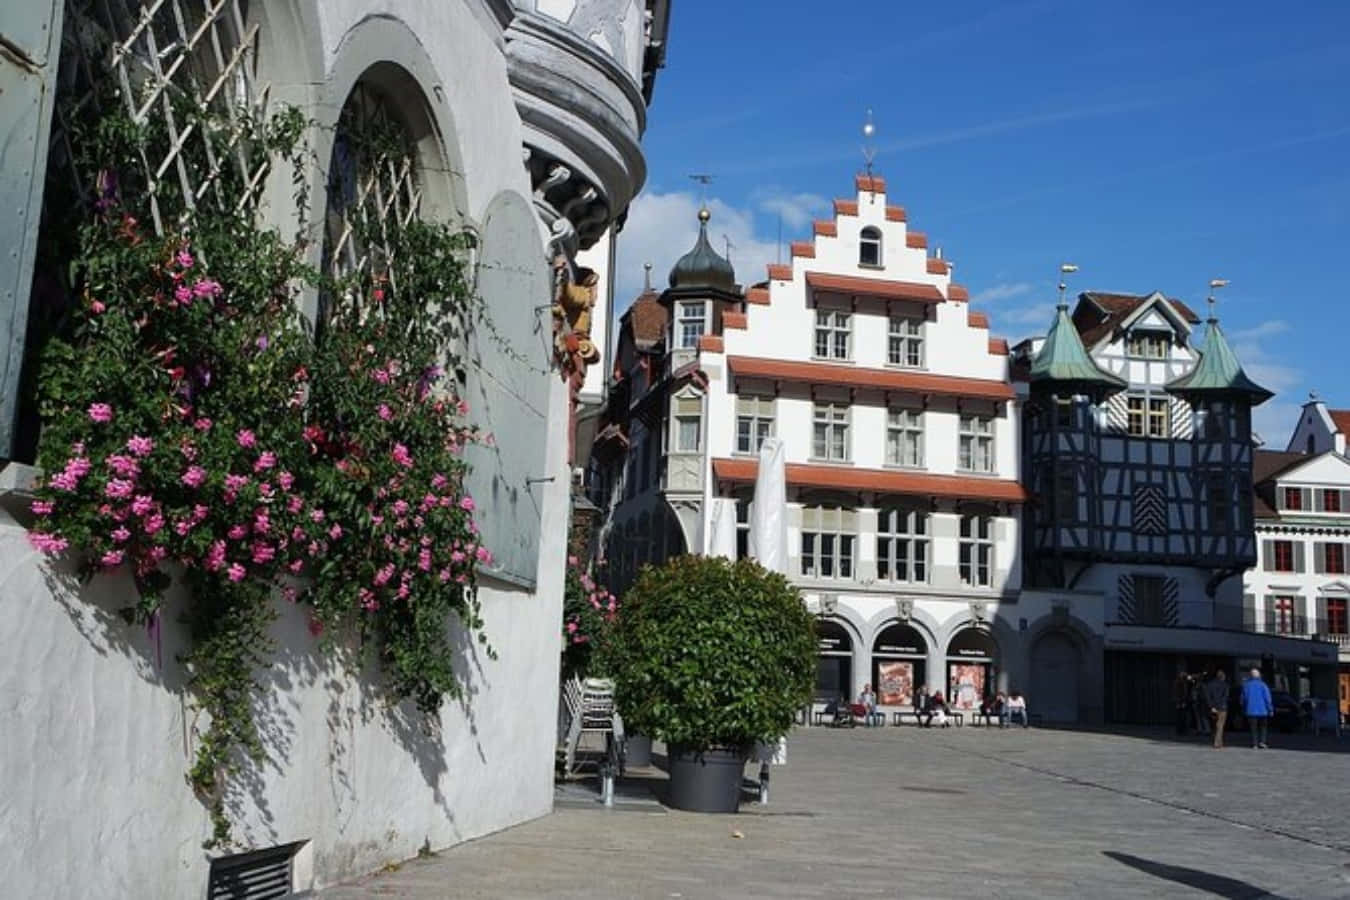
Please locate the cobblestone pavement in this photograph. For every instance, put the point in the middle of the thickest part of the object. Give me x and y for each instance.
(968, 812)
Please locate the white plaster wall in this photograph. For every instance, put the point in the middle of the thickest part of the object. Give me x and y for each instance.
(1314, 421)
(97, 736)
(599, 257)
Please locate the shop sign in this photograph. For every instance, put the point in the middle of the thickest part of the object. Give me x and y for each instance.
(894, 648)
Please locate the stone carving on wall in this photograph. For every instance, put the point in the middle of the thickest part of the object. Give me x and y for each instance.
(574, 295)
(904, 609)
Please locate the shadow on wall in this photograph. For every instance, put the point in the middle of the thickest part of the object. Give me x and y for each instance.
(1218, 885)
(347, 673)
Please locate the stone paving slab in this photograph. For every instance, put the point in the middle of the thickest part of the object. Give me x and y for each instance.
(908, 812)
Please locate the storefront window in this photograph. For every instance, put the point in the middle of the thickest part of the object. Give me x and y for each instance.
(972, 659)
(834, 668)
(898, 665)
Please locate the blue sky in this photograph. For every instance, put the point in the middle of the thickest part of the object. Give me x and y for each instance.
(1156, 145)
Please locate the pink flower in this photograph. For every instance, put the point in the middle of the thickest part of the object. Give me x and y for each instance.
(316, 515)
(182, 527)
(285, 479)
(194, 476)
(47, 543)
(445, 575)
(245, 437)
(266, 460)
(313, 548)
(121, 535)
(463, 408)
(235, 483)
(97, 307)
(458, 556)
(237, 533)
(64, 481)
(263, 553)
(466, 503)
(203, 424)
(153, 524)
(401, 456)
(294, 504)
(183, 294)
(42, 507)
(215, 557)
(261, 522)
(400, 508)
(335, 532)
(484, 555)
(383, 575)
(296, 565)
(438, 481)
(158, 553)
(206, 288)
(199, 512)
(140, 446)
(142, 504)
(266, 490)
(368, 600)
(235, 572)
(424, 560)
(184, 259)
(124, 466)
(118, 489)
(290, 593)
(100, 412)
(571, 627)
(380, 375)
(77, 467)
(385, 412)
(572, 561)
(403, 592)
(315, 627)
(112, 558)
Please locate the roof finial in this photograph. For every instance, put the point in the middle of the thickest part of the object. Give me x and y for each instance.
(704, 180)
(1065, 269)
(646, 277)
(1214, 285)
(869, 150)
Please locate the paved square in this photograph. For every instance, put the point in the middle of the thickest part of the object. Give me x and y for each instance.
(908, 812)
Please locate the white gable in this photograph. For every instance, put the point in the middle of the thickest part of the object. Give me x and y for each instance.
(1153, 321)
(1328, 468)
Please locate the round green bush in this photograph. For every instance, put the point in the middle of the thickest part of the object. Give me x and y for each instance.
(711, 653)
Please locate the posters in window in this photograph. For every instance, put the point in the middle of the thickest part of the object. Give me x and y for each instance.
(967, 687)
(895, 683)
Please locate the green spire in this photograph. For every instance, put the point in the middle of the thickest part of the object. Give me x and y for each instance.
(1063, 360)
(1218, 371)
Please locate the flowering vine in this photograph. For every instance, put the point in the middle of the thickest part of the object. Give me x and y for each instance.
(589, 611)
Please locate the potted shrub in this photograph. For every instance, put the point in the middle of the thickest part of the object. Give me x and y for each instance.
(711, 656)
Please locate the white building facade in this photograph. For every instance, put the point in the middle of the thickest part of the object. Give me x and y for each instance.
(525, 120)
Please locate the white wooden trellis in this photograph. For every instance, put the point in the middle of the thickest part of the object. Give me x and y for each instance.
(160, 51)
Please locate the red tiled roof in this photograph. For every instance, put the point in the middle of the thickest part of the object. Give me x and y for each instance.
(998, 346)
(804, 248)
(713, 343)
(880, 480)
(858, 376)
(1115, 308)
(895, 214)
(648, 318)
(958, 292)
(733, 320)
(873, 287)
(1341, 419)
(977, 319)
(916, 239)
(874, 183)
(825, 229)
(938, 266)
(780, 271)
(758, 296)
(846, 207)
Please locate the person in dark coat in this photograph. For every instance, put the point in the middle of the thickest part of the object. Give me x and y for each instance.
(1216, 695)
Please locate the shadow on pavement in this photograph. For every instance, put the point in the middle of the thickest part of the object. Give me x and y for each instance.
(1218, 885)
(1298, 741)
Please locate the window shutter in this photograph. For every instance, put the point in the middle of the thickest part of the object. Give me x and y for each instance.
(1345, 501)
(1320, 625)
(1270, 614)
(1318, 504)
(1300, 615)
(1298, 556)
(1248, 612)
(1268, 556)
(1319, 557)
(1307, 497)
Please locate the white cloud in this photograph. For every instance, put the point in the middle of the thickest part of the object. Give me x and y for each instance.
(663, 227)
(797, 210)
(1273, 420)
(1004, 291)
(1268, 328)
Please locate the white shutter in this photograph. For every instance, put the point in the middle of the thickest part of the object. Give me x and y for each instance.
(1307, 497)
(1299, 565)
(1268, 556)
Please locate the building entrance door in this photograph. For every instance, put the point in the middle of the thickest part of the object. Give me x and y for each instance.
(1054, 679)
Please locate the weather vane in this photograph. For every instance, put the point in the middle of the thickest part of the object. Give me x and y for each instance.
(703, 179)
(869, 150)
(1214, 285)
(1065, 270)
(730, 245)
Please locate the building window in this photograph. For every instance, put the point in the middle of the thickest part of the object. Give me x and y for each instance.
(754, 422)
(1216, 421)
(1066, 497)
(1284, 556)
(742, 529)
(691, 323)
(1216, 496)
(905, 345)
(1065, 413)
(1331, 501)
(1284, 615)
(1147, 416)
(902, 545)
(830, 434)
(1148, 345)
(869, 247)
(1149, 594)
(1333, 558)
(1293, 498)
(976, 444)
(904, 437)
(688, 424)
(828, 536)
(1337, 620)
(977, 550)
(834, 334)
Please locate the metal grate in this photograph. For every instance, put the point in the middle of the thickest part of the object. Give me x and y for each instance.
(259, 875)
(165, 55)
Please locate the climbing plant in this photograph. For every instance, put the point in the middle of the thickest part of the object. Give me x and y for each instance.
(194, 429)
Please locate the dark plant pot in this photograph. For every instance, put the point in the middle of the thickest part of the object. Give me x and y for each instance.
(637, 751)
(707, 781)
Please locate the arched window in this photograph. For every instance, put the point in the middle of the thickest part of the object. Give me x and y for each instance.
(869, 247)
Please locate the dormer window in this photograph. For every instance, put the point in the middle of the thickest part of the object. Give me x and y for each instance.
(691, 323)
(1148, 345)
(869, 247)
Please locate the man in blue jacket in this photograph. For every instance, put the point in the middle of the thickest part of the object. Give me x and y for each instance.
(1258, 706)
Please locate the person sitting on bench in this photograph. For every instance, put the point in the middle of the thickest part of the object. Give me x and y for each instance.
(992, 708)
(923, 713)
(1016, 709)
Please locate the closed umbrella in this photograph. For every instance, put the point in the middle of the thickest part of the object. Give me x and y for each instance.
(722, 527)
(768, 516)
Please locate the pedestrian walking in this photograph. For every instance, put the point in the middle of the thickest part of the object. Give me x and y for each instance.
(1258, 706)
(1216, 694)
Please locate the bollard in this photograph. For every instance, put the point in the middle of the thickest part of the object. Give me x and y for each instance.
(764, 783)
(607, 784)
